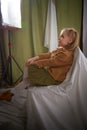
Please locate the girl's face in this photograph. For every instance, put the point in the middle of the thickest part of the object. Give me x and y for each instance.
(64, 39)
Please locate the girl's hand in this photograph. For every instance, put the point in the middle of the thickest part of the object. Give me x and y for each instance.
(38, 63)
(31, 61)
(27, 63)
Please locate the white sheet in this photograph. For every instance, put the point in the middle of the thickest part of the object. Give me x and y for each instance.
(61, 107)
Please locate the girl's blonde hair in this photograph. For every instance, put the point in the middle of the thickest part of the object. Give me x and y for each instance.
(75, 38)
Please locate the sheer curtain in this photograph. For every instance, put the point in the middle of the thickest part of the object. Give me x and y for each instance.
(51, 35)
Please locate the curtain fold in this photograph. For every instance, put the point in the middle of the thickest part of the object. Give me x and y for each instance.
(51, 35)
(37, 15)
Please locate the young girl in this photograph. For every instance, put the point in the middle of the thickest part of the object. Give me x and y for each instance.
(51, 68)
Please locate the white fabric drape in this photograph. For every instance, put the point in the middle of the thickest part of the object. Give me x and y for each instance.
(85, 28)
(51, 35)
(56, 107)
(61, 107)
(11, 13)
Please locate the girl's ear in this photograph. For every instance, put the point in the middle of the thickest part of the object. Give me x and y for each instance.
(70, 40)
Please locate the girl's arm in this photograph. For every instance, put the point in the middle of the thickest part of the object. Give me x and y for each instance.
(57, 61)
(37, 58)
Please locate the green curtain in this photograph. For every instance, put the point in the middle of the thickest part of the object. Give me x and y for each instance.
(69, 14)
(29, 40)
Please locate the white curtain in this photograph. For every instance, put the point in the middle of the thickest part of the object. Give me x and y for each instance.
(11, 13)
(85, 27)
(51, 34)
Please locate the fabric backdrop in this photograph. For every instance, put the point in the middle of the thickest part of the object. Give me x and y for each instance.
(29, 41)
